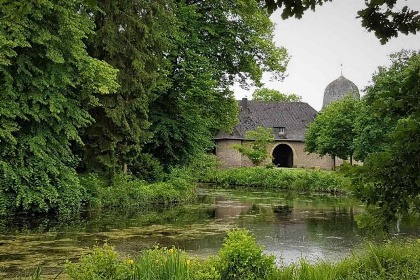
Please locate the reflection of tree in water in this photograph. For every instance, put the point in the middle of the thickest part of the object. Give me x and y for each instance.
(99, 220)
(338, 223)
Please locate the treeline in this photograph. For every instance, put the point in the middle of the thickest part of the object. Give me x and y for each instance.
(382, 130)
(130, 86)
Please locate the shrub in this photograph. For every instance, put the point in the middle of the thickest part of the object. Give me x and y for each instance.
(197, 169)
(301, 179)
(147, 168)
(204, 270)
(242, 258)
(126, 190)
(100, 263)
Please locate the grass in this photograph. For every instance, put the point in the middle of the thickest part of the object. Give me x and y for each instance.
(274, 178)
(390, 261)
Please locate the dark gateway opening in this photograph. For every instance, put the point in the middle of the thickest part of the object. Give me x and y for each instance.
(283, 156)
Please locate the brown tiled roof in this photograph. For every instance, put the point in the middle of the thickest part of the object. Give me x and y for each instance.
(293, 116)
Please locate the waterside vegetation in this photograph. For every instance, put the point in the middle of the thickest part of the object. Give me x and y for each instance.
(241, 258)
(275, 178)
(135, 193)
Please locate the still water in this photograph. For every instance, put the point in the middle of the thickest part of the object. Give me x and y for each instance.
(288, 224)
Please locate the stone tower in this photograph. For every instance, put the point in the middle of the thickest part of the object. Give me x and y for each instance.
(337, 89)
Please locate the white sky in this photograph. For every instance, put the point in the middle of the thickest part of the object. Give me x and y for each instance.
(324, 39)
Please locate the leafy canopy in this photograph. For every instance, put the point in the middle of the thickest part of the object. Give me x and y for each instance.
(380, 16)
(332, 131)
(132, 36)
(389, 180)
(216, 43)
(47, 82)
(258, 151)
(265, 94)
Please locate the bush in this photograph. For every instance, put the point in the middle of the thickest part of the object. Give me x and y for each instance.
(147, 168)
(242, 258)
(197, 169)
(126, 190)
(301, 179)
(100, 263)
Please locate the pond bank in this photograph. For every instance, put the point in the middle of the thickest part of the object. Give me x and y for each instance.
(241, 258)
(279, 178)
(128, 191)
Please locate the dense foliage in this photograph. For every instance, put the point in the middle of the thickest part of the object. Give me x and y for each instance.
(296, 179)
(133, 192)
(259, 142)
(132, 36)
(380, 16)
(242, 258)
(332, 132)
(112, 87)
(48, 82)
(390, 142)
(383, 131)
(265, 94)
(216, 44)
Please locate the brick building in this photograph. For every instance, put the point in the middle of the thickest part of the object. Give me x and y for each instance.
(288, 121)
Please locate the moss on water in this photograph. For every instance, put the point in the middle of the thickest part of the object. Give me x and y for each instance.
(23, 252)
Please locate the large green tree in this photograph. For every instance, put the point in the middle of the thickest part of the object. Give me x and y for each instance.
(389, 180)
(47, 83)
(373, 129)
(265, 94)
(217, 43)
(132, 36)
(332, 131)
(383, 17)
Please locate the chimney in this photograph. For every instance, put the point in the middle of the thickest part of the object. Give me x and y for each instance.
(244, 103)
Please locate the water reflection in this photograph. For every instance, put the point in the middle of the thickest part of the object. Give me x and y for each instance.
(289, 224)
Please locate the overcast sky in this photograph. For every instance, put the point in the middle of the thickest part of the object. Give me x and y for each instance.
(324, 39)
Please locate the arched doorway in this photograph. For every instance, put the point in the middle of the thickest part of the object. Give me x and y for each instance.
(283, 156)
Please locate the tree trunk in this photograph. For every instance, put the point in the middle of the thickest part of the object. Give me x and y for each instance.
(334, 163)
(351, 159)
(125, 168)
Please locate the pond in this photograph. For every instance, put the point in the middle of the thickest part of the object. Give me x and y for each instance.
(288, 224)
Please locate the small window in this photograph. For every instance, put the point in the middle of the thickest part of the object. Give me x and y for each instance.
(281, 130)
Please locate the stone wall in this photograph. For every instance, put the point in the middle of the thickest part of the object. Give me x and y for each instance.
(228, 156)
(232, 158)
